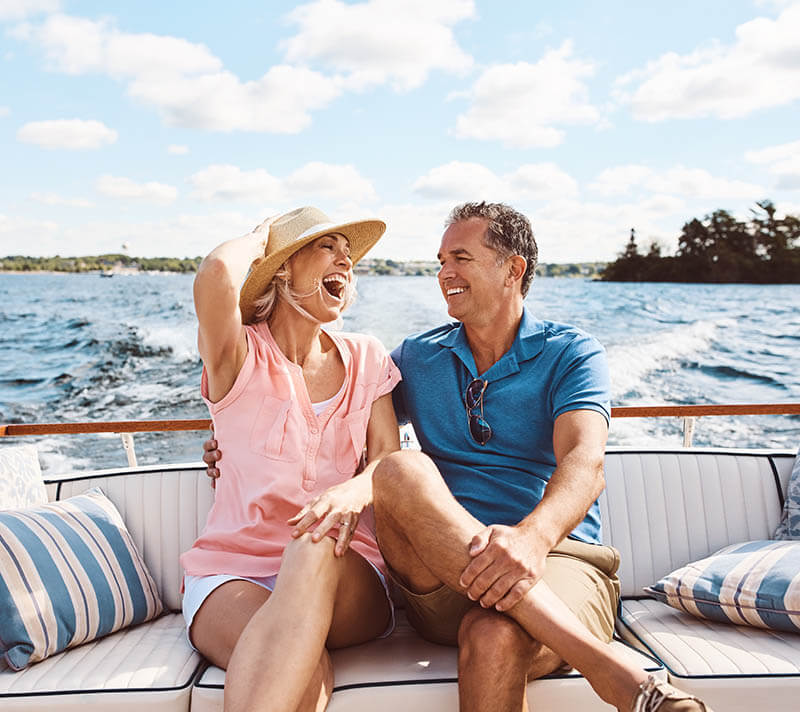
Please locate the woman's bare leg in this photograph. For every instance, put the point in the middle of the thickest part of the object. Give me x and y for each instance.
(278, 659)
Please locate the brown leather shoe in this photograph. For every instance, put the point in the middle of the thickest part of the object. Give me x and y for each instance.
(657, 696)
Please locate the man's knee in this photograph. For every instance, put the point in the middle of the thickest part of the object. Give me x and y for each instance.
(485, 633)
(398, 474)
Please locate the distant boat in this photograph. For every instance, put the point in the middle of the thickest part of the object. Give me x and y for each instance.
(107, 273)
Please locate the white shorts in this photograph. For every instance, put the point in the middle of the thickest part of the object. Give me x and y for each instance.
(198, 588)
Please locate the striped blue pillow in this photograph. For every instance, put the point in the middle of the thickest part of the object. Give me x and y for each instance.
(789, 526)
(69, 573)
(755, 583)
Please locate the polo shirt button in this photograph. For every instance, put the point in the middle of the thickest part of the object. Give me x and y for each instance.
(314, 431)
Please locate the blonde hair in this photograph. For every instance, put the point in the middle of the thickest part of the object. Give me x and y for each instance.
(280, 287)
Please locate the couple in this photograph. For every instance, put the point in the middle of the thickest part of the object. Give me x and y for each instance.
(491, 534)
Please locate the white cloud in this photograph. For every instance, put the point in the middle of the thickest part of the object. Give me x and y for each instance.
(524, 104)
(4, 111)
(782, 160)
(182, 235)
(231, 183)
(19, 9)
(618, 180)
(458, 181)
(278, 102)
(413, 230)
(184, 81)
(380, 41)
(566, 230)
(177, 150)
(334, 182)
(315, 180)
(126, 189)
(572, 230)
(678, 180)
(17, 234)
(55, 199)
(70, 134)
(699, 183)
(759, 70)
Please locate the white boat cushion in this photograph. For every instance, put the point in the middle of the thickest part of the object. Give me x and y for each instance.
(664, 509)
(21, 483)
(149, 667)
(404, 672)
(789, 527)
(754, 583)
(694, 647)
(69, 573)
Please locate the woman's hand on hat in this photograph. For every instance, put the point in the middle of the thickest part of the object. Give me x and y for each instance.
(264, 226)
(261, 233)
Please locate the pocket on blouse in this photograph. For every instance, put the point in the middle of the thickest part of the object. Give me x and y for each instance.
(351, 436)
(268, 433)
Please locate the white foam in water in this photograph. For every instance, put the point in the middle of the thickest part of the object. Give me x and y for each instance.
(180, 339)
(53, 459)
(629, 363)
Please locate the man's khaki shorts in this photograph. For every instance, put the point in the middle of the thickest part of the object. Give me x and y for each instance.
(582, 575)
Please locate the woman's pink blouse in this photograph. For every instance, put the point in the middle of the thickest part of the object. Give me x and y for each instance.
(277, 455)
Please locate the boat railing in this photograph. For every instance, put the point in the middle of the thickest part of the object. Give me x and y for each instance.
(126, 428)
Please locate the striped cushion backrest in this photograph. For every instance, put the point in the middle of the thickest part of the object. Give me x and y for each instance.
(754, 583)
(69, 573)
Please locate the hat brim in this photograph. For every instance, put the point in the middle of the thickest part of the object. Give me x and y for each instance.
(361, 234)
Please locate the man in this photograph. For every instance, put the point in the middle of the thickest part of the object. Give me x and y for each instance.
(492, 531)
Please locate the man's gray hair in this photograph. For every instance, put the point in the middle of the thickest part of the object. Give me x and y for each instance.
(509, 233)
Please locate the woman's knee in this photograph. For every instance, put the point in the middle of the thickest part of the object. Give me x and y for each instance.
(307, 553)
(488, 633)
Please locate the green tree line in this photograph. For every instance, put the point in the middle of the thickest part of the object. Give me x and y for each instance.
(94, 263)
(719, 248)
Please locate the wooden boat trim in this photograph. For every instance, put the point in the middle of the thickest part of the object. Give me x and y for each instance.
(149, 426)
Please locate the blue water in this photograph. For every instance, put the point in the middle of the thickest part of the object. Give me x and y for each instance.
(77, 347)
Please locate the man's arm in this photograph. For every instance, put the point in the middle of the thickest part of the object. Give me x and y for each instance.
(508, 561)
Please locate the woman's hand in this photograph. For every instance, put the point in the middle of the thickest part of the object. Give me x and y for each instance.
(340, 506)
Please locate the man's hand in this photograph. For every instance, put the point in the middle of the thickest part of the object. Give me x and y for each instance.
(212, 455)
(506, 563)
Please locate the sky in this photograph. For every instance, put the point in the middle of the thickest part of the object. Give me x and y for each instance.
(168, 127)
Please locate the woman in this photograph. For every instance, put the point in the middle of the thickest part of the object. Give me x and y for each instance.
(285, 568)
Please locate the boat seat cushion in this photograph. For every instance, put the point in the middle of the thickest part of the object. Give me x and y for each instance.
(789, 526)
(753, 583)
(404, 672)
(69, 573)
(21, 483)
(149, 667)
(729, 666)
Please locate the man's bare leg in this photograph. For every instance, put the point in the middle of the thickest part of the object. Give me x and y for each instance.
(425, 538)
(496, 658)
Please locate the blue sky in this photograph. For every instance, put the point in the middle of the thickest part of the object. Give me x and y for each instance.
(170, 127)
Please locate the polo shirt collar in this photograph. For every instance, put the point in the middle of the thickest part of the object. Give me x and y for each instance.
(528, 343)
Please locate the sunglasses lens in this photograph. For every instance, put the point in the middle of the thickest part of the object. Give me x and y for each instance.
(479, 429)
(474, 392)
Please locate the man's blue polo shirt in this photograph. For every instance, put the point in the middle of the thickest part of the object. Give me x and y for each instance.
(550, 369)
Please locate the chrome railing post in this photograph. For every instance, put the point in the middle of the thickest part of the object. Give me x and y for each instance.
(688, 430)
(127, 443)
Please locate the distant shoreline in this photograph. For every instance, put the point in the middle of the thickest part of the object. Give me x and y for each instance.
(121, 265)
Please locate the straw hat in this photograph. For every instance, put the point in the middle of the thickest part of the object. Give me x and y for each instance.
(297, 229)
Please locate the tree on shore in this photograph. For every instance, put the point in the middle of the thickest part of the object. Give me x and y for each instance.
(719, 248)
